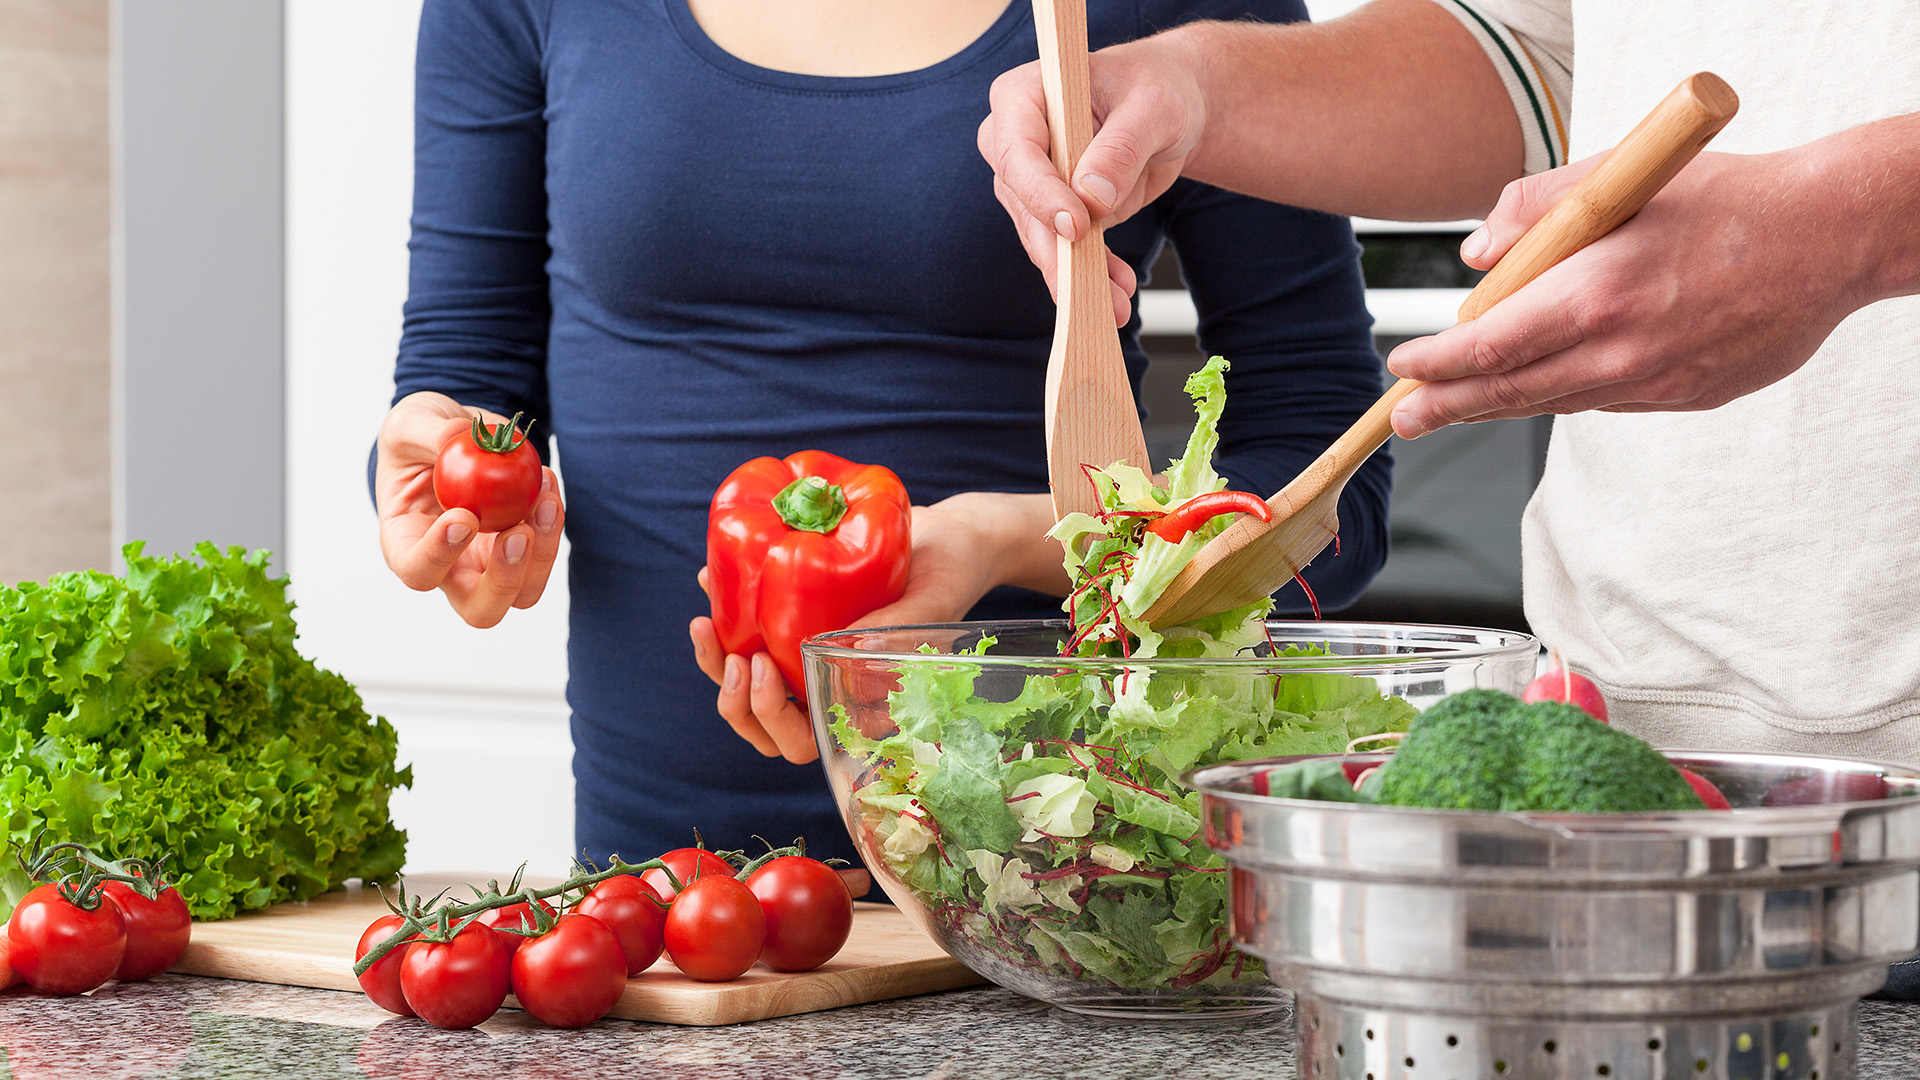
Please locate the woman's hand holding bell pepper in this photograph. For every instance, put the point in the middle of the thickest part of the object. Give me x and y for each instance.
(801, 546)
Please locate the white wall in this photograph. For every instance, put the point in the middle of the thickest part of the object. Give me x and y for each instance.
(480, 713)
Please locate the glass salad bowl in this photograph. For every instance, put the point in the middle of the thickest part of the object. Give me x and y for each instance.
(1024, 808)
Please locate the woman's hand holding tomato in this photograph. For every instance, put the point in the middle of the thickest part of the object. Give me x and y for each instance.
(572, 974)
(963, 547)
(483, 574)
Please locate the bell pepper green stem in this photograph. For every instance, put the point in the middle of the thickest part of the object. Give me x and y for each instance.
(812, 504)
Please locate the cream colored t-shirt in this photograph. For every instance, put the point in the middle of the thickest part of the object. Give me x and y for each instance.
(1747, 577)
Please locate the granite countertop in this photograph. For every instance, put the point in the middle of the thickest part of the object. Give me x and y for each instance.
(181, 1026)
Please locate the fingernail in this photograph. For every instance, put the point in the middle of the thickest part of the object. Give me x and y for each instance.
(546, 482)
(1475, 245)
(759, 671)
(731, 680)
(1101, 189)
(544, 514)
(458, 532)
(1405, 427)
(516, 547)
(1063, 224)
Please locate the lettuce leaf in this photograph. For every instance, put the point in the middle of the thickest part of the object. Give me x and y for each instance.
(168, 711)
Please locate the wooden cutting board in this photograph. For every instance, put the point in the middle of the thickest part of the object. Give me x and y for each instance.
(312, 943)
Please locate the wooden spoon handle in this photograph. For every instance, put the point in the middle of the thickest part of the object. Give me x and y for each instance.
(1651, 154)
(1062, 29)
(1090, 411)
(1631, 174)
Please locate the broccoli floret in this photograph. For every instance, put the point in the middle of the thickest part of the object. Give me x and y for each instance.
(1485, 750)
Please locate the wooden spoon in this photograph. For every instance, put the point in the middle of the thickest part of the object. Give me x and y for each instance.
(1091, 418)
(1253, 558)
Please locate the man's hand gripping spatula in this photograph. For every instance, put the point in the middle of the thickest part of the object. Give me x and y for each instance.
(1252, 558)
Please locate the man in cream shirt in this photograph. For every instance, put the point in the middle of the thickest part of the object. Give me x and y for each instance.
(1733, 577)
(1726, 534)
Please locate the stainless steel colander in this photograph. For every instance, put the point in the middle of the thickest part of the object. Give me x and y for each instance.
(1461, 944)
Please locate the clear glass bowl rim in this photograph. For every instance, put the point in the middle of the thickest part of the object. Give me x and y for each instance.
(1513, 644)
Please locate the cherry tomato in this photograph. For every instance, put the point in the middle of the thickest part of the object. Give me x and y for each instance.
(491, 470)
(8, 976)
(686, 863)
(382, 980)
(715, 929)
(635, 913)
(62, 949)
(157, 929)
(572, 974)
(458, 983)
(808, 911)
(503, 919)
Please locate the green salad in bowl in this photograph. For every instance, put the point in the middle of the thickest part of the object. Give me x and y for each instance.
(1015, 786)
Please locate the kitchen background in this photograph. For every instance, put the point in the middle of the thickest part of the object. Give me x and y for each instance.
(204, 207)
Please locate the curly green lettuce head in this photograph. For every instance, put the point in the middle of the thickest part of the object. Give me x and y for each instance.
(168, 711)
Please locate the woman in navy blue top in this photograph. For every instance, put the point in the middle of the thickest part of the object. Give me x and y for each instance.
(677, 260)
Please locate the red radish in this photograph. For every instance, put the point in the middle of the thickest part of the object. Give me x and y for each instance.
(1708, 792)
(1560, 683)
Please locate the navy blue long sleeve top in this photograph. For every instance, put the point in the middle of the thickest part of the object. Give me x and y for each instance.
(678, 261)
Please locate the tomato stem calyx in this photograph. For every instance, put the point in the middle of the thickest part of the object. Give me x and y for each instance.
(500, 438)
(78, 872)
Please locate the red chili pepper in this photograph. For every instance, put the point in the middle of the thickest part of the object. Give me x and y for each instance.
(802, 546)
(1175, 524)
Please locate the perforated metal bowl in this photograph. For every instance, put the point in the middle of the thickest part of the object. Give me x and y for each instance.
(1460, 944)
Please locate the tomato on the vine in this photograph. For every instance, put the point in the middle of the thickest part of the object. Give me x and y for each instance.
(572, 974)
(458, 983)
(8, 976)
(491, 470)
(501, 920)
(157, 929)
(635, 913)
(61, 948)
(715, 928)
(808, 912)
(382, 980)
(686, 863)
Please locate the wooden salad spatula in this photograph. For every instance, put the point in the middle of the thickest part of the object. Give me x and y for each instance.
(1253, 558)
(1091, 418)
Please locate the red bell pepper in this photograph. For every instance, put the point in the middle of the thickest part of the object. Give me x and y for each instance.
(803, 546)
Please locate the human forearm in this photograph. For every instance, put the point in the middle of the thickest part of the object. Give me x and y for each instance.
(1393, 111)
(1013, 535)
(1870, 176)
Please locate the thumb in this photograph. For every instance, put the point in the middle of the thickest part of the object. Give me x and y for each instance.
(1522, 203)
(1139, 130)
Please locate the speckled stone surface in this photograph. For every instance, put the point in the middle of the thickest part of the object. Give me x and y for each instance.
(179, 1026)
